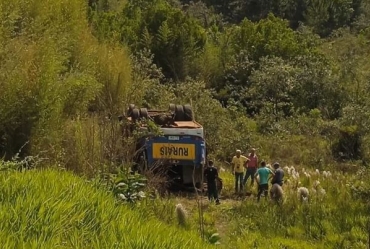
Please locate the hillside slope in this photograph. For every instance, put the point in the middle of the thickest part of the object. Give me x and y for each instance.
(53, 209)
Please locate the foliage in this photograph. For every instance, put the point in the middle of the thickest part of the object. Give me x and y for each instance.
(59, 209)
(273, 86)
(217, 122)
(146, 90)
(17, 164)
(270, 36)
(173, 38)
(290, 78)
(269, 49)
(271, 69)
(324, 16)
(129, 187)
(52, 68)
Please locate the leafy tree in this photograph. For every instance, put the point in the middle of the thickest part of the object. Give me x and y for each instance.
(361, 17)
(250, 42)
(269, 37)
(174, 38)
(350, 54)
(273, 85)
(237, 82)
(326, 16)
(316, 87)
(206, 16)
(147, 90)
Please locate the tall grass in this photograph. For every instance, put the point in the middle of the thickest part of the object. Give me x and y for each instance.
(332, 218)
(54, 209)
(52, 70)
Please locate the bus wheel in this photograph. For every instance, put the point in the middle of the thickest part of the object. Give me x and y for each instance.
(188, 113)
(172, 108)
(143, 113)
(179, 113)
(135, 114)
(129, 110)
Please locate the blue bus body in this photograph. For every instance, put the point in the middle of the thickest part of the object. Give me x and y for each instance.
(181, 150)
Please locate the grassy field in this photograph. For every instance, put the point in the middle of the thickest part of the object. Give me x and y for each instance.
(333, 217)
(54, 209)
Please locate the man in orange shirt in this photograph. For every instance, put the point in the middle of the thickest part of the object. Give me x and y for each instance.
(252, 166)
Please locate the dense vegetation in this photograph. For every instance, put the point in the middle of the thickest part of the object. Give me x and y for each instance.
(290, 78)
(261, 76)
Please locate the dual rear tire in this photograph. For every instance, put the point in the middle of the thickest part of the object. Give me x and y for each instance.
(182, 112)
(136, 113)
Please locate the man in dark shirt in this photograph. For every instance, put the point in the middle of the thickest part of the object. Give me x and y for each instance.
(279, 175)
(211, 175)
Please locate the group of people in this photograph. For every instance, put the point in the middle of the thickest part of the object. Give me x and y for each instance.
(249, 164)
(245, 167)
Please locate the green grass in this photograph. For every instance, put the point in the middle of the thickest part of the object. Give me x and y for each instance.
(55, 209)
(336, 219)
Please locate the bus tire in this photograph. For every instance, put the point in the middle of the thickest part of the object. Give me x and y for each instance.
(129, 110)
(188, 113)
(172, 108)
(179, 113)
(143, 113)
(135, 114)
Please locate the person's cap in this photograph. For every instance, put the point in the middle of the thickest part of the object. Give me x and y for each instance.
(276, 164)
(253, 149)
(238, 151)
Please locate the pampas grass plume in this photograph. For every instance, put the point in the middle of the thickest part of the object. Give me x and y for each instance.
(181, 215)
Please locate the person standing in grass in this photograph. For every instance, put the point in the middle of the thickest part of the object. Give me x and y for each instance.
(279, 175)
(211, 174)
(252, 166)
(263, 172)
(239, 162)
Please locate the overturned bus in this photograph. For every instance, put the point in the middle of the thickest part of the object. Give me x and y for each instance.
(179, 149)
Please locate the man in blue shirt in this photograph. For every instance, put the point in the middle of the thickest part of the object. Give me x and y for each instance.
(263, 174)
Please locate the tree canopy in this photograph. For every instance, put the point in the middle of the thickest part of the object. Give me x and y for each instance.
(258, 63)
